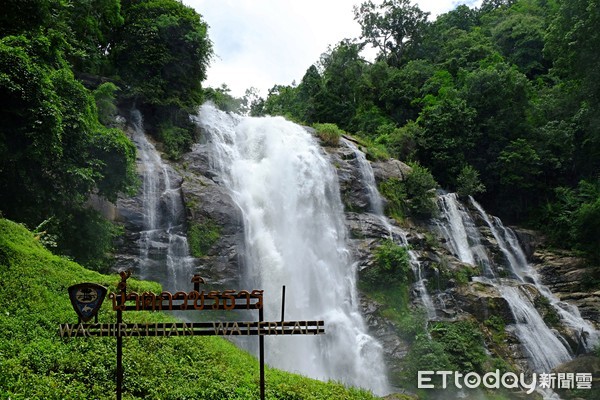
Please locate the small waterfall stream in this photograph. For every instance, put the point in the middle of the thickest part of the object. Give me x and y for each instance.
(376, 202)
(295, 236)
(368, 180)
(544, 347)
(164, 253)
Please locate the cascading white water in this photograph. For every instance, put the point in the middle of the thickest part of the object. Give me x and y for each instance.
(368, 179)
(545, 351)
(456, 225)
(544, 347)
(164, 252)
(376, 203)
(510, 247)
(295, 236)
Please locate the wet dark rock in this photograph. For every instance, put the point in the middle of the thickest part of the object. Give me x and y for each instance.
(206, 200)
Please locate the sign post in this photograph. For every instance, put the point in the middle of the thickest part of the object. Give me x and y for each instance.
(87, 298)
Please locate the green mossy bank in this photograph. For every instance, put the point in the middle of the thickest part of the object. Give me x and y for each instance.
(35, 363)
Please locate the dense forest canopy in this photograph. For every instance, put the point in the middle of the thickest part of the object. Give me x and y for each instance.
(64, 67)
(500, 101)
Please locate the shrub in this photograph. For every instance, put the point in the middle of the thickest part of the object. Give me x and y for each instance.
(392, 265)
(414, 196)
(468, 183)
(330, 134)
(425, 354)
(420, 190)
(463, 342)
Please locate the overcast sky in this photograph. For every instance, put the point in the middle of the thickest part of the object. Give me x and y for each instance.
(260, 43)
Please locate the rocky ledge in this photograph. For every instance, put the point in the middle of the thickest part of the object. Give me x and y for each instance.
(568, 278)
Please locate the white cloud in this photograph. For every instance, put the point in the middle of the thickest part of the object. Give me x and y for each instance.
(260, 43)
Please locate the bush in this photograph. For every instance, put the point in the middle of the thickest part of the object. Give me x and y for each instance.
(414, 196)
(330, 134)
(105, 98)
(425, 354)
(393, 191)
(463, 342)
(468, 183)
(400, 142)
(420, 190)
(392, 265)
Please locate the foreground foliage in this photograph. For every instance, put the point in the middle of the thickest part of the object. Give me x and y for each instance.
(37, 364)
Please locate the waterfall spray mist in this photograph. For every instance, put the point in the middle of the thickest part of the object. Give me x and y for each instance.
(295, 236)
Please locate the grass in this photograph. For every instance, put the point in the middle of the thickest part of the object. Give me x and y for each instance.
(35, 363)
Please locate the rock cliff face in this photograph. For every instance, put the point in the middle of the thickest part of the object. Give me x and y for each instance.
(567, 277)
(206, 200)
(448, 281)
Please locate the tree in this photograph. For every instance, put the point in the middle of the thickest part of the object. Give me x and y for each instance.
(222, 99)
(520, 37)
(447, 136)
(573, 42)
(516, 172)
(308, 93)
(54, 153)
(497, 120)
(92, 26)
(468, 183)
(394, 27)
(163, 52)
(339, 99)
(20, 16)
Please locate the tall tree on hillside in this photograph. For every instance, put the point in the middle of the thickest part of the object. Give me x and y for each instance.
(163, 52)
(394, 27)
(342, 71)
(573, 43)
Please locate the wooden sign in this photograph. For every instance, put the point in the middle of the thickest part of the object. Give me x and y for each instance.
(87, 298)
(167, 329)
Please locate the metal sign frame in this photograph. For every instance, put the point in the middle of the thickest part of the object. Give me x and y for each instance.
(87, 298)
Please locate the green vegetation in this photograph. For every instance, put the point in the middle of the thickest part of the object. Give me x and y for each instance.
(497, 327)
(498, 101)
(460, 275)
(414, 196)
(546, 310)
(330, 134)
(392, 266)
(202, 236)
(162, 52)
(64, 68)
(37, 363)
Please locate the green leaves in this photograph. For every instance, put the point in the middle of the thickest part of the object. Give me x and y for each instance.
(162, 52)
(394, 27)
(36, 363)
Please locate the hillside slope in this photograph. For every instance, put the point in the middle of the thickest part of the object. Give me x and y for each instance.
(36, 364)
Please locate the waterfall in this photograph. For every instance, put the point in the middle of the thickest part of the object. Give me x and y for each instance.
(368, 179)
(376, 203)
(164, 254)
(544, 350)
(544, 347)
(511, 249)
(456, 225)
(295, 236)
